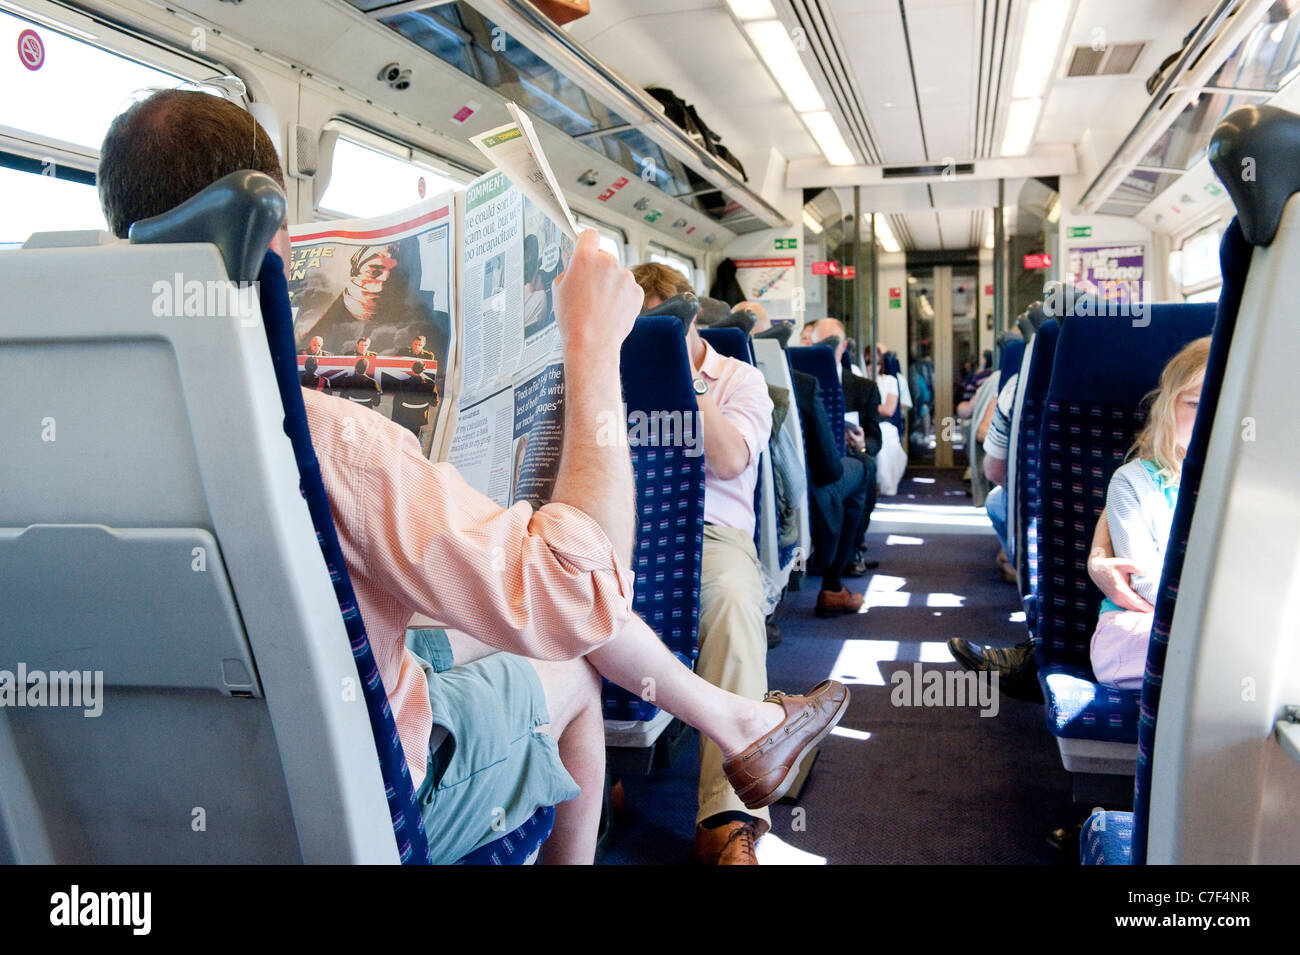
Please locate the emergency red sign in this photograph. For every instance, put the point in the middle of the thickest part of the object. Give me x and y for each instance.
(825, 268)
(31, 50)
(895, 292)
(1040, 260)
(848, 272)
(988, 290)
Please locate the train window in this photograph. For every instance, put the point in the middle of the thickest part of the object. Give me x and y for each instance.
(612, 240)
(1195, 266)
(668, 257)
(41, 196)
(65, 91)
(377, 176)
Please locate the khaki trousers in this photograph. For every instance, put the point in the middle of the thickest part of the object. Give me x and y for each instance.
(733, 649)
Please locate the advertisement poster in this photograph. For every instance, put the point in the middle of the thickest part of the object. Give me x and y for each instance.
(1115, 271)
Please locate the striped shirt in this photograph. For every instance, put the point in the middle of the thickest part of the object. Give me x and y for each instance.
(417, 539)
(997, 440)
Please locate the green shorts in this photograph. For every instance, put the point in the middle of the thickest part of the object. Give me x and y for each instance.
(493, 770)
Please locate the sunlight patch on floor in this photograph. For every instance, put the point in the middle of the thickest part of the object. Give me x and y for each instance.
(862, 661)
(770, 850)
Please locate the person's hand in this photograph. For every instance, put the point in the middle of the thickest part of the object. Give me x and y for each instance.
(1111, 575)
(855, 437)
(596, 300)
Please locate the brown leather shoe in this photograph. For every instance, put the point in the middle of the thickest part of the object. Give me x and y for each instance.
(764, 771)
(831, 603)
(731, 843)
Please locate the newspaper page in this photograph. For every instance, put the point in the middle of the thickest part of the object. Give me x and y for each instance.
(509, 421)
(373, 301)
(515, 149)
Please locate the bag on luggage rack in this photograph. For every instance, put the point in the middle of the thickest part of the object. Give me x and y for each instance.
(684, 116)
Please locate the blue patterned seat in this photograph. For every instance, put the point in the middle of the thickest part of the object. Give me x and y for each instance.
(819, 361)
(1028, 449)
(408, 824)
(1091, 415)
(670, 501)
(1107, 839)
(1235, 255)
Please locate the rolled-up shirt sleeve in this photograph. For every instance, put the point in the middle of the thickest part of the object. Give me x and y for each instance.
(545, 584)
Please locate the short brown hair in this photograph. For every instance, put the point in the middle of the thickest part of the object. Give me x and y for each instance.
(172, 145)
(659, 280)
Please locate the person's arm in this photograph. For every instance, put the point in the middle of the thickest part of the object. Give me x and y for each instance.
(1137, 561)
(995, 468)
(547, 584)
(725, 447)
(889, 405)
(982, 431)
(1111, 573)
(596, 303)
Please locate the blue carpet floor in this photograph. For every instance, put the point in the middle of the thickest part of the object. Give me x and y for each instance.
(895, 783)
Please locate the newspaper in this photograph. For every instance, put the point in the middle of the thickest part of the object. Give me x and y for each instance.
(373, 301)
(442, 317)
(509, 423)
(515, 149)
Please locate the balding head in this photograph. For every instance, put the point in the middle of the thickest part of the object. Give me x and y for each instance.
(762, 322)
(167, 148)
(831, 328)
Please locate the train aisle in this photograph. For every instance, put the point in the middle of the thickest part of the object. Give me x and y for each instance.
(907, 783)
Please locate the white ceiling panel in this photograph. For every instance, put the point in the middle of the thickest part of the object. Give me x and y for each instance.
(876, 54)
(694, 48)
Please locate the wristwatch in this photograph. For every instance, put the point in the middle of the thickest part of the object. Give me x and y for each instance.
(700, 385)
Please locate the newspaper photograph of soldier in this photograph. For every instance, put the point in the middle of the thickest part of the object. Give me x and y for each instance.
(378, 288)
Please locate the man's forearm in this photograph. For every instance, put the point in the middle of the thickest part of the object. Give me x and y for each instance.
(595, 473)
(724, 446)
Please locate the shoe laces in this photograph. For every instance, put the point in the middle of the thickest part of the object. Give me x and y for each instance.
(745, 832)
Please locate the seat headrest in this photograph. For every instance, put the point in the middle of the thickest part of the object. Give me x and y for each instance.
(239, 214)
(713, 311)
(685, 308)
(1255, 152)
(781, 332)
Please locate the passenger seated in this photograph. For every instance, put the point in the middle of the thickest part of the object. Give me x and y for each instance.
(891, 463)
(1139, 511)
(489, 736)
(862, 440)
(735, 421)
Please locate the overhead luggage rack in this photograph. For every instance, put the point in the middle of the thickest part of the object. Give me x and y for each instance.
(512, 48)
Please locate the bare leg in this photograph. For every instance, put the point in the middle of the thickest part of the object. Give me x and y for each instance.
(572, 690)
(638, 661)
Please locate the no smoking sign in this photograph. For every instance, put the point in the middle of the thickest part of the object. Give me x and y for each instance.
(31, 51)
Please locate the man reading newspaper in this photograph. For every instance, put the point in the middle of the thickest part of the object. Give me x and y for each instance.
(488, 736)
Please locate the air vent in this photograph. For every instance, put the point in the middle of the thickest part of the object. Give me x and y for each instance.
(934, 169)
(1116, 59)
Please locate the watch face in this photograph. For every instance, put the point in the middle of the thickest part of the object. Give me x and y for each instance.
(701, 386)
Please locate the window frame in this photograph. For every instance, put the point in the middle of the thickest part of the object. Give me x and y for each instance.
(1219, 224)
(103, 33)
(397, 147)
(664, 251)
(608, 231)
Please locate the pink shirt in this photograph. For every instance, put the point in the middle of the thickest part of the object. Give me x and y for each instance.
(740, 392)
(417, 538)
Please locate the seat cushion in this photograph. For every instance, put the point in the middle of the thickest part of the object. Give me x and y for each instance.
(1107, 839)
(516, 848)
(1077, 707)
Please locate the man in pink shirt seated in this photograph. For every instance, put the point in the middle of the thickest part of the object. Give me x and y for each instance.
(735, 423)
(488, 736)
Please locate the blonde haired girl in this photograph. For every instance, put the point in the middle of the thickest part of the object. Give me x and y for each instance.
(1140, 510)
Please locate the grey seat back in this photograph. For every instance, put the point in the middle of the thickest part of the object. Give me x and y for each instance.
(153, 542)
